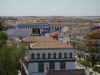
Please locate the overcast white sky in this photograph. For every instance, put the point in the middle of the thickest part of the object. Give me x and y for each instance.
(49, 7)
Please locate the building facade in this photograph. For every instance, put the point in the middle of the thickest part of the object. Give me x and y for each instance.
(86, 44)
(48, 54)
(26, 29)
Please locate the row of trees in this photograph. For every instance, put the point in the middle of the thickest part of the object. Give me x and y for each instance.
(91, 62)
(10, 54)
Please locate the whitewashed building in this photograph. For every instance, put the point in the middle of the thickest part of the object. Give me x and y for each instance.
(64, 38)
(26, 29)
(45, 54)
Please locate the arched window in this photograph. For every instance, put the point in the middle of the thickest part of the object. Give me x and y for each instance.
(52, 27)
(43, 55)
(49, 56)
(54, 55)
(70, 55)
(65, 55)
(32, 56)
(38, 56)
(60, 55)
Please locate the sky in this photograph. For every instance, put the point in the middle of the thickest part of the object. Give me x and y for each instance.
(49, 7)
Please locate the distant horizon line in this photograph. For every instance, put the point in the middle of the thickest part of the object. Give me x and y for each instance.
(50, 16)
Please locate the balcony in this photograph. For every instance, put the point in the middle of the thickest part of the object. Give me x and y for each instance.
(55, 60)
(93, 45)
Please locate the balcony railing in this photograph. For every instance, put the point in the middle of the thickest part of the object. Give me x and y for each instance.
(93, 45)
(57, 59)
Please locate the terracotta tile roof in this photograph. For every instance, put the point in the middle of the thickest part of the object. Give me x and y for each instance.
(58, 24)
(49, 45)
(43, 42)
(54, 33)
(32, 39)
(29, 23)
(95, 35)
(42, 22)
(66, 72)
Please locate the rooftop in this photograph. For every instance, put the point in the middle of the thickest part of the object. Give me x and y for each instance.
(50, 45)
(43, 42)
(33, 39)
(95, 35)
(66, 72)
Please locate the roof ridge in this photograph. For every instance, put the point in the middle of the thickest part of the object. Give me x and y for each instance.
(26, 38)
(33, 44)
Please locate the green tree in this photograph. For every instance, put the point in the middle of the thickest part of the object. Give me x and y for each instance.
(9, 54)
(9, 59)
(1, 24)
(92, 58)
(3, 38)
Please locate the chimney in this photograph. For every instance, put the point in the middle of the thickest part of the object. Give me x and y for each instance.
(55, 37)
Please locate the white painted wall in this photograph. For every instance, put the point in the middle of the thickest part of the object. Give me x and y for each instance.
(23, 32)
(70, 65)
(57, 65)
(63, 39)
(33, 67)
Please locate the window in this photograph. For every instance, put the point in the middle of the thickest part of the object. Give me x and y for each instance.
(62, 65)
(43, 55)
(41, 67)
(98, 49)
(60, 55)
(38, 56)
(60, 27)
(55, 27)
(49, 55)
(93, 50)
(52, 27)
(32, 56)
(93, 42)
(70, 55)
(65, 55)
(54, 55)
(52, 65)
